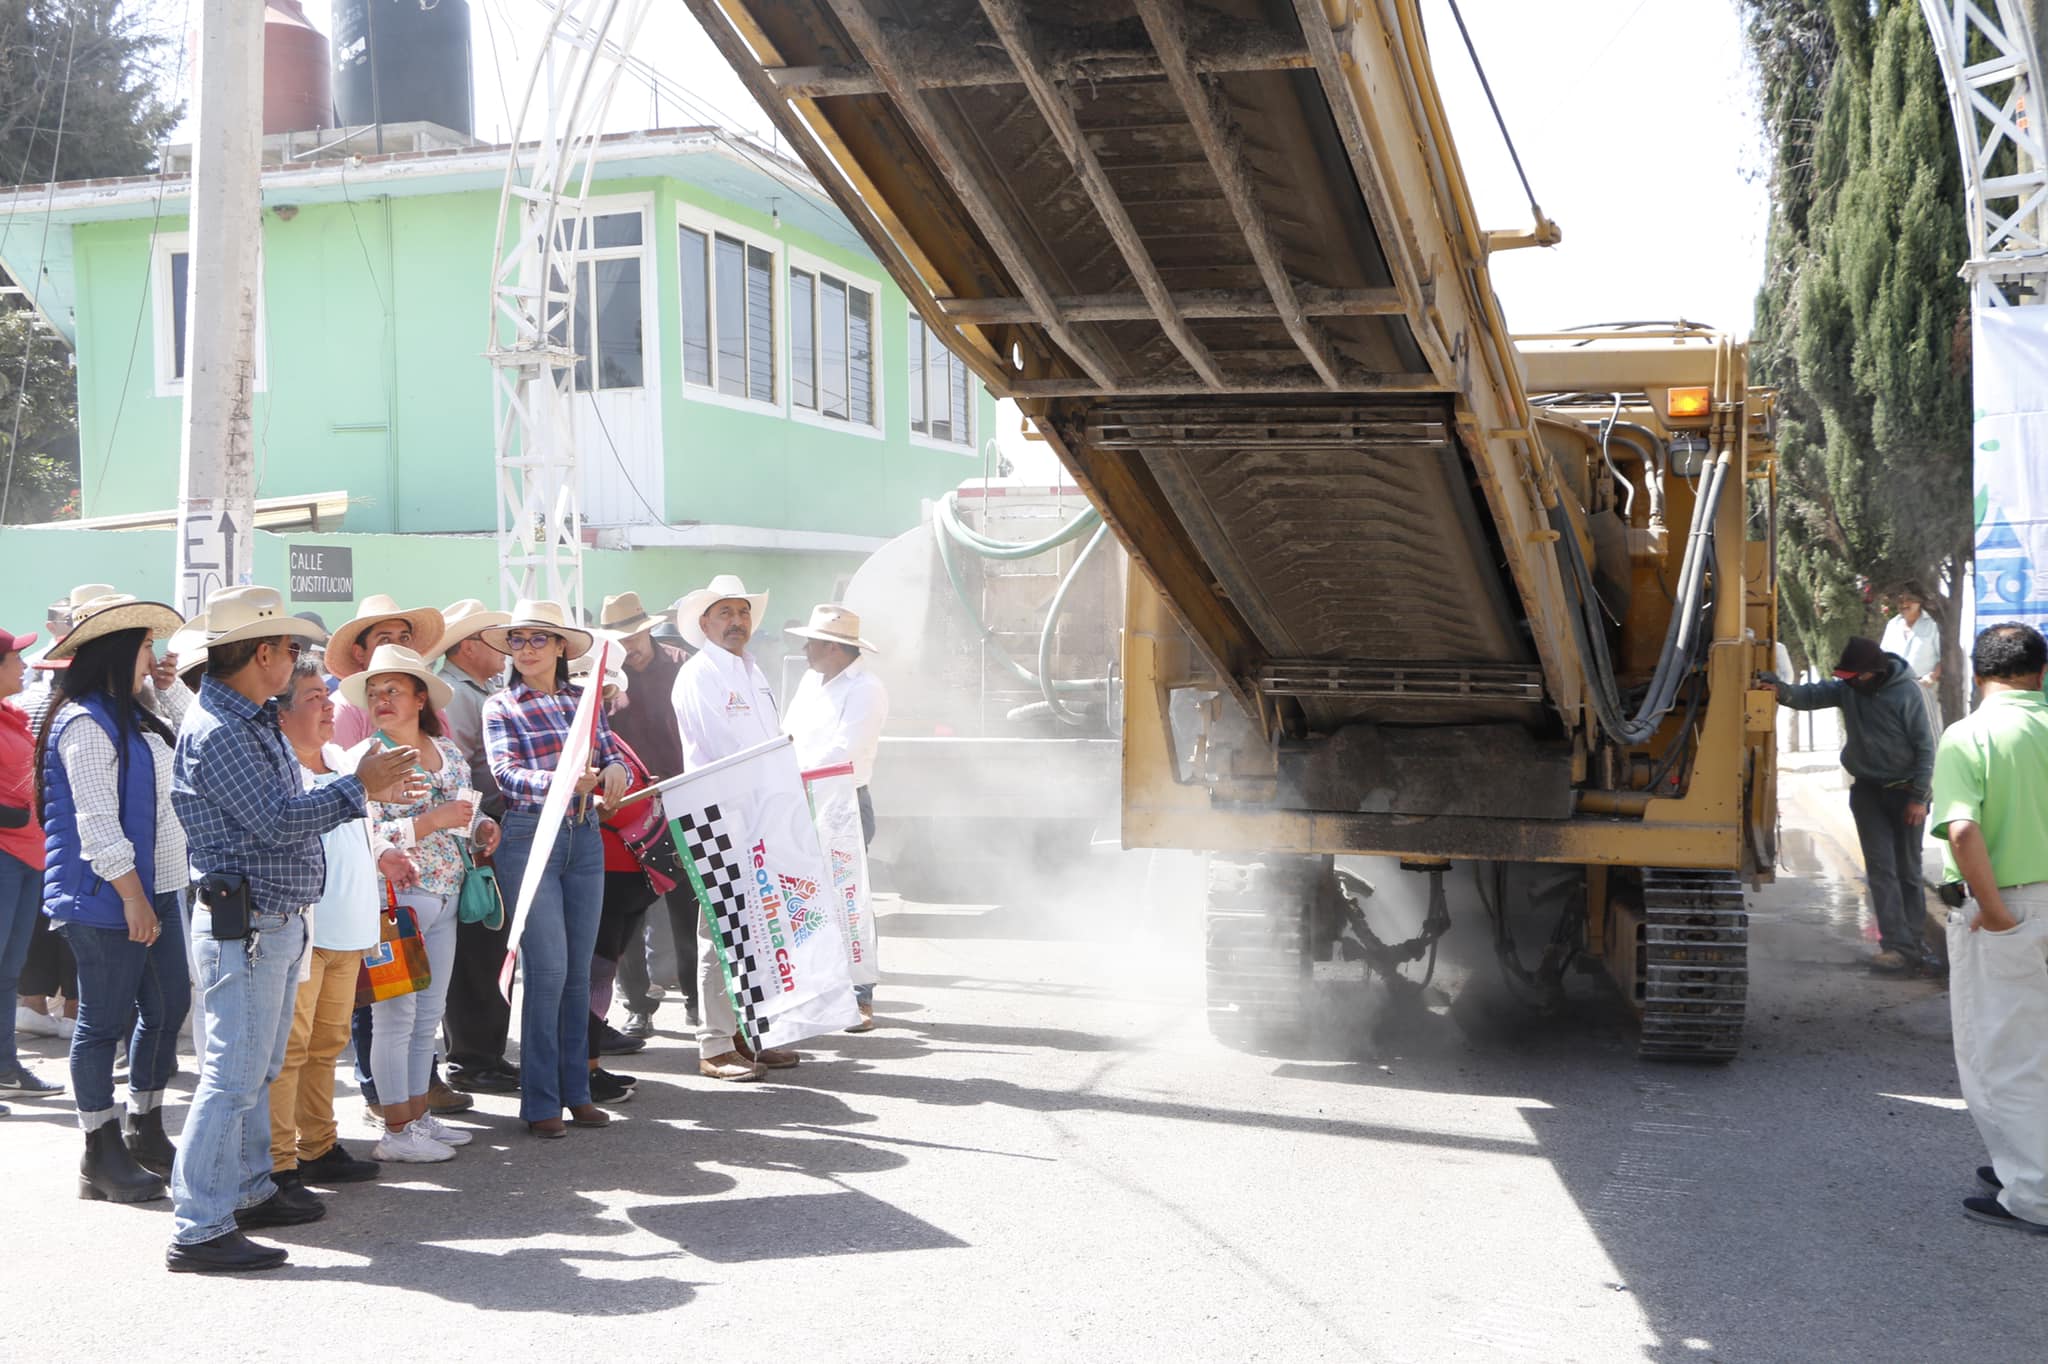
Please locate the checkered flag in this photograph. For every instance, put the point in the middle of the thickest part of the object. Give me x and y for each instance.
(743, 826)
(720, 877)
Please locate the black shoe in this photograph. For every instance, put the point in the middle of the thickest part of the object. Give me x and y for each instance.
(288, 1207)
(25, 1083)
(612, 1042)
(639, 1025)
(337, 1166)
(607, 1088)
(107, 1173)
(1988, 1177)
(152, 1149)
(690, 1012)
(484, 1079)
(1991, 1211)
(233, 1253)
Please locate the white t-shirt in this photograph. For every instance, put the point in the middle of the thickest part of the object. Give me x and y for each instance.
(839, 721)
(1919, 644)
(345, 916)
(723, 706)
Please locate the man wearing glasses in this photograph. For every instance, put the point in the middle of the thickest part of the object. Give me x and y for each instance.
(253, 835)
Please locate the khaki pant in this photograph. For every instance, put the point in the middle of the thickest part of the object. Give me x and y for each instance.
(302, 1097)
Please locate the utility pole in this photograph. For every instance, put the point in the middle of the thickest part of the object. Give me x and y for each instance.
(216, 486)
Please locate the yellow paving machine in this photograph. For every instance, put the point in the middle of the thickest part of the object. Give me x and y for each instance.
(1402, 583)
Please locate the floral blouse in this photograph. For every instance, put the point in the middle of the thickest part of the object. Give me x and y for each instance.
(437, 856)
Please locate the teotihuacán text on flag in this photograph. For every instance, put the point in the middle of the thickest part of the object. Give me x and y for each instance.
(743, 826)
(835, 802)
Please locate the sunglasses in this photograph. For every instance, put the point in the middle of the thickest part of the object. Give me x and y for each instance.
(538, 641)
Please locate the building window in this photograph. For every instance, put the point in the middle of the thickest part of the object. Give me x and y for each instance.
(729, 338)
(610, 306)
(832, 346)
(170, 285)
(941, 389)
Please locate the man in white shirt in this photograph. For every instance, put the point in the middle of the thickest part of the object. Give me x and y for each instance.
(837, 717)
(1913, 636)
(723, 706)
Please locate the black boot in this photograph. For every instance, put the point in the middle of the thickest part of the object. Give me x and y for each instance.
(108, 1172)
(148, 1144)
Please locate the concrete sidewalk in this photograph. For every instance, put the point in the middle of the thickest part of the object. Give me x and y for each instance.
(1813, 796)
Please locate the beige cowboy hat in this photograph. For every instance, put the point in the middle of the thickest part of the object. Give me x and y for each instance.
(834, 624)
(426, 622)
(463, 619)
(61, 616)
(395, 658)
(624, 616)
(86, 592)
(111, 614)
(238, 613)
(690, 608)
(540, 615)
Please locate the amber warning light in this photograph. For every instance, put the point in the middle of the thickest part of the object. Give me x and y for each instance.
(1688, 402)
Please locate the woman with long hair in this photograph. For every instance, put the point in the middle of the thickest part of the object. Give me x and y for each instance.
(526, 727)
(114, 884)
(403, 697)
(21, 863)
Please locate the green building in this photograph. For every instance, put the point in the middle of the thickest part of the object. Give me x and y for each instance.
(758, 397)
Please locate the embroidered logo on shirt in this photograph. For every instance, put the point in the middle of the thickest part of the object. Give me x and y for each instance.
(735, 704)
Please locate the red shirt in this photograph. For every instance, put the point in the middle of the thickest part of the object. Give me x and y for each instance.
(17, 785)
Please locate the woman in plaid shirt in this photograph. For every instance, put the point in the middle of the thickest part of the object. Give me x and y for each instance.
(526, 727)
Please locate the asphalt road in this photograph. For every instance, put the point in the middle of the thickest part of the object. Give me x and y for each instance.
(1043, 1155)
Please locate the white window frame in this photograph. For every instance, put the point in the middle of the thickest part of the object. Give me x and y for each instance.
(712, 226)
(650, 295)
(929, 442)
(169, 384)
(815, 266)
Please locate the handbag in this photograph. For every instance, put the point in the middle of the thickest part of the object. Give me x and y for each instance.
(398, 964)
(481, 902)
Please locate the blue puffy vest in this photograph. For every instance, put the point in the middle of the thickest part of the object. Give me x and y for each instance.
(72, 891)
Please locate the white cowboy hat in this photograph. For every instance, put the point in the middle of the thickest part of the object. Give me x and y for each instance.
(691, 607)
(834, 624)
(463, 619)
(426, 622)
(86, 592)
(615, 666)
(623, 615)
(109, 615)
(238, 613)
(540, 615)
(395, 658)
(187, 644)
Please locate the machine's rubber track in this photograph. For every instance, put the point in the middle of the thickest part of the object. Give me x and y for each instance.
(1694, 960)
(1258, 948)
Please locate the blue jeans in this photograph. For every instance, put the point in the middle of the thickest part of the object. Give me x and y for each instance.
(554, 955)
(141, 991)
(249, 990)
(21, 901)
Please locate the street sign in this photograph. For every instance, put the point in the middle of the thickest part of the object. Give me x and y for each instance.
(206, 553)
(322, 573)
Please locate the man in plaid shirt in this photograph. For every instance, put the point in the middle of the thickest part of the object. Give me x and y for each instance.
(237, 790)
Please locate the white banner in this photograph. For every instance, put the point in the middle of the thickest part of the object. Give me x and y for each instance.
(743, 827)
(2010, 360)
(574, 758)
(835, 803)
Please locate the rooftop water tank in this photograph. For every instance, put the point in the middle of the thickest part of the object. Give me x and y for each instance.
(298, 92)
(403, 61)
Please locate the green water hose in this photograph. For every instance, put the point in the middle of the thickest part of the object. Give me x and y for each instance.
(948, 530)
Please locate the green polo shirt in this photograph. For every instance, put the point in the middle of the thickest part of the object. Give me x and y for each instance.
(1992, 768)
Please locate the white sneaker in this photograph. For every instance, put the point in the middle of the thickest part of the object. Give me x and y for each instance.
(436, 1130)
(411, 1146)
(30, 1023)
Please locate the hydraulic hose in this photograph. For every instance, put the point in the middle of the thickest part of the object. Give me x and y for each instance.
(944, 539)
(1046, 686)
